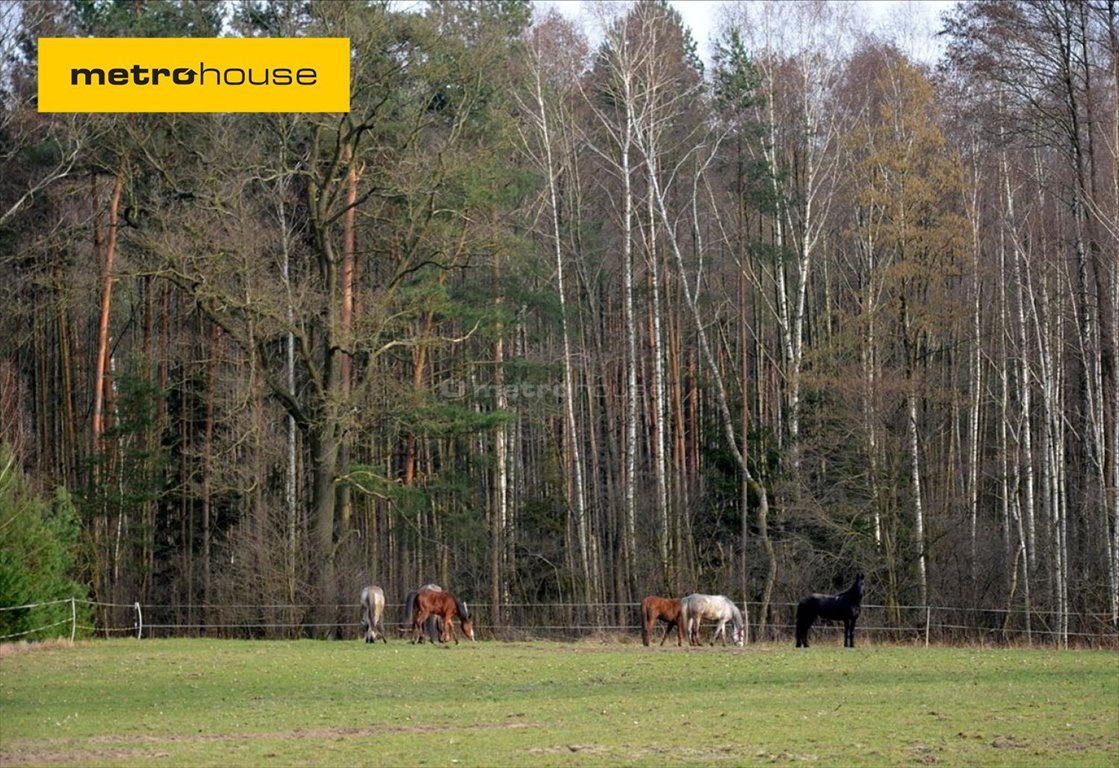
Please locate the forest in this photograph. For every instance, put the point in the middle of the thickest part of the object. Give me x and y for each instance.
(566, 315)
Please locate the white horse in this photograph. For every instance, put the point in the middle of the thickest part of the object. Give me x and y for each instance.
(372, 612)
(695, 608)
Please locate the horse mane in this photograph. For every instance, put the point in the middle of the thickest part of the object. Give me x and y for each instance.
(463, 611)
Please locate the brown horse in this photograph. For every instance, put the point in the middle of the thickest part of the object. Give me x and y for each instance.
(433, 627)
(667, 609)
(429, 602)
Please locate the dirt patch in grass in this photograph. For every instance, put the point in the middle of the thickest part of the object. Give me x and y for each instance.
(71, 757)
(70, 751)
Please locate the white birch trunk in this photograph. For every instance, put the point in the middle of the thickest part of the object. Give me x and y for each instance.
(292, 511)
(501, 482)
(630, 319)
(721, 399)
(1025, 376)
(869, 358)
(976, 387)
(918, 505)
(660, 469)
(572, 442)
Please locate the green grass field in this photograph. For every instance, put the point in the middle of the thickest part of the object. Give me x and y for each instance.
(211, 702)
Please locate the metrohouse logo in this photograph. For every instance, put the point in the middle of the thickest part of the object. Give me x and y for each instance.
(139, 75)
(194, 74)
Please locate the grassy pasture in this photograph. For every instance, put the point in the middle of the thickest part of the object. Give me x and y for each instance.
(231, 702)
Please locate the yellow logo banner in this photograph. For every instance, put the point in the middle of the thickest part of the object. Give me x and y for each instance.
(194, 74)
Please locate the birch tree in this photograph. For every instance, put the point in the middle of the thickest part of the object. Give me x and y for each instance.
(798, 51)
(545, 106)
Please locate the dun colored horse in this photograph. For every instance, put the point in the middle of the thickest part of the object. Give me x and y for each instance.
(429, 602)
(433, 626)
(667, 609)
(844, 607)
(718, 608)
(372, 613)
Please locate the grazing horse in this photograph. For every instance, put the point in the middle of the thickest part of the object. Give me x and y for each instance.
(844, 607)
(372, 613)
(667, 609)
(433, 626)
(429, 602)
(695, 608)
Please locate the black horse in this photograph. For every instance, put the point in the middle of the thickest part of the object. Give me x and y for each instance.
(843, 607)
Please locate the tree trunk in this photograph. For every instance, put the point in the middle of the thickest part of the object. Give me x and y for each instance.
(500, 509)
(324, 458)
(629, 532)
(911, 355)
(349, 238)
(108, 257)
(659, 407)
(207, 467)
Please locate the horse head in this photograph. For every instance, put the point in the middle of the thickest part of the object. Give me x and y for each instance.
(740, 628)
(466, 620)
(857, 591)
(739, 634)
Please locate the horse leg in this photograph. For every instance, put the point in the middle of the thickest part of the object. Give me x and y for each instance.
(418, 623)
(804, 621)
(848, 633)
(668, 628)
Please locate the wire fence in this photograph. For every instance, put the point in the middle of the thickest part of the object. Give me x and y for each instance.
(551, 621)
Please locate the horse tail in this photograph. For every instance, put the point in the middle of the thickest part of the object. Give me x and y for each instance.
(366, 613)
(410, 607)
(379, 612)
(685, 621)
(806, 615)
(646, 621)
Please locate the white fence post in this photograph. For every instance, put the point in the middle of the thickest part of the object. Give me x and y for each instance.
(73, 619)
(139, 620)
(928, 623)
